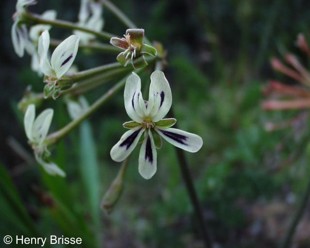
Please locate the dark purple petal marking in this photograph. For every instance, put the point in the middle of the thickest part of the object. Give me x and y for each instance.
(162, 98)
(130, 139)
(148, 150)
(133, 101)
(175, 136)
(66, 60)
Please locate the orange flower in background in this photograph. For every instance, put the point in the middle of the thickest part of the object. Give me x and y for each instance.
(282, 96)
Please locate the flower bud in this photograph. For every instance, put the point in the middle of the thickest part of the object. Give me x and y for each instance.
(115, 190)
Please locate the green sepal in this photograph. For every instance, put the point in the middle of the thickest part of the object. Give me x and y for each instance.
(121, 58)
(166, 123)
(48, 90)
(148, 49)
(131, 124)
(157, 140)
(56, 93)
(51, 90)
(139, 63)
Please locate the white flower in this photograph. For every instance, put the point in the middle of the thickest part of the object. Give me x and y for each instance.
(36, 30)
(20, 39)
(77, 108)
(148, 120)
(19, 32)
(62, 57)
(36, 131)
(34, 34)
(21, 4)
(90, 16)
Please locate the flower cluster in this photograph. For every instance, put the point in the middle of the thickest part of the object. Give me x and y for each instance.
(30, 33)
(149, 123)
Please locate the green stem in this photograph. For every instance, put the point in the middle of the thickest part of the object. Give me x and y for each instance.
(118, 13)
(93, 46)
(94, 82)
(296, 219)
(27, 16)
(86, 74)
(55, 137)
(121, 16)
(187, 179)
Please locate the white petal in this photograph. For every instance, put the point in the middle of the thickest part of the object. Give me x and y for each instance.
(21, 4)
(35, 64)
(160, 94)
(64, 55)
(41, 126)
(36, 30)
(17, 34)
(50, 167)
(132, 97)
(43, 46)
(126, 144)
(28, 121)
(187, 141)
(96, 9)
(49, 14)
(84, 12)
(95, 23)
(76, 108)
(148, 157)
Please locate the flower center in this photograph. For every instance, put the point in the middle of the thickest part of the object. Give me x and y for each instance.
(148, 123)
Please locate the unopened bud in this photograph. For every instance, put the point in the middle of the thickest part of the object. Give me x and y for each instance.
(115, 190)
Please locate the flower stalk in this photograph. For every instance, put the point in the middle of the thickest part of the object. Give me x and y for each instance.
(189, 185)
(36, 19)
(94, 46)
(58, 135)
(287, 241)
(120, 15)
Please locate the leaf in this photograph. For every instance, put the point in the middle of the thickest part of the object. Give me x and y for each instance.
(12, 208)
(89, 170)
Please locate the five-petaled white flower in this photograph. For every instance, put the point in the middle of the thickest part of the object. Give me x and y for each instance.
(90, 16)
(19, 32)
(148, 119)
(36, 131)
(61, 59)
